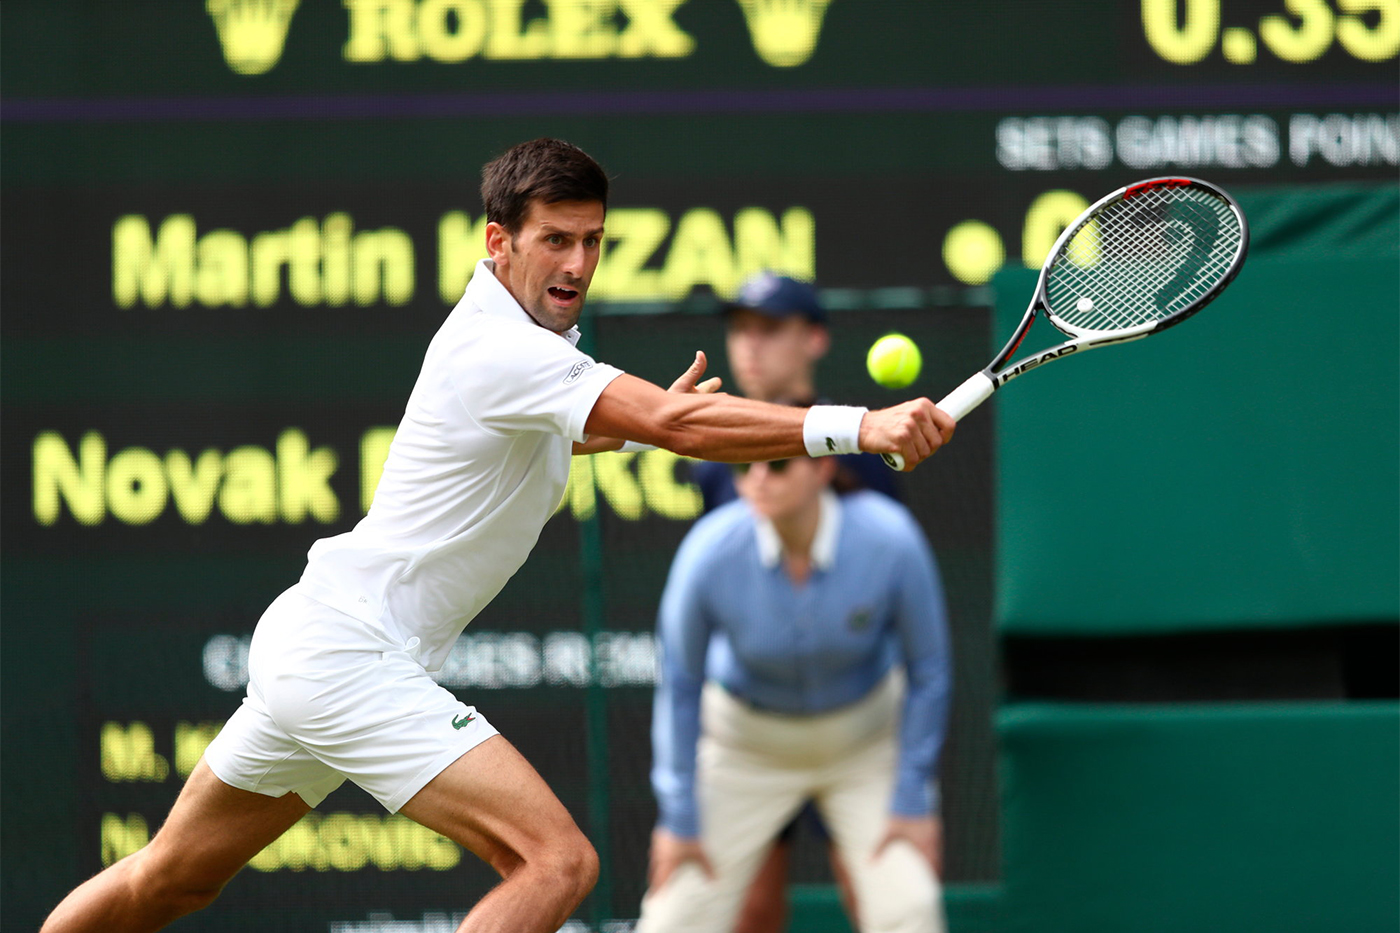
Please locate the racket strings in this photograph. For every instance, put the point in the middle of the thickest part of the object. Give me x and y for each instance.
(1143, 259)
(1135, 249)
(1124, 259)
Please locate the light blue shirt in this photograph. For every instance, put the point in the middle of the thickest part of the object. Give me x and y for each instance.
(730, 613)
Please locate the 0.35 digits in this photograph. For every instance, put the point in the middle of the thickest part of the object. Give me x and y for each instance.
(1185, 32)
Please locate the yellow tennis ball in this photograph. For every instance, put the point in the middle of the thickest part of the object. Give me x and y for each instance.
(894, 361)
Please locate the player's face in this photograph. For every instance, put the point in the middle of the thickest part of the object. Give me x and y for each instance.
(785, 488)
(548, 264)
(772, 358)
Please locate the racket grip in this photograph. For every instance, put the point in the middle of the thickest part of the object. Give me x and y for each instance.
(957, 403)
(968, 396)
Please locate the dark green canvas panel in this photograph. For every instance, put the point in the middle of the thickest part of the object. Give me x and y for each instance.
(1238, 471)
(1213, 819)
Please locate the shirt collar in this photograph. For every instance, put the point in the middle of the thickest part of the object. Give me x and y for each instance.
(770, 546)
(490, 295)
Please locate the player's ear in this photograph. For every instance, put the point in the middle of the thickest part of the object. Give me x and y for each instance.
(497, 241)
(818, 341)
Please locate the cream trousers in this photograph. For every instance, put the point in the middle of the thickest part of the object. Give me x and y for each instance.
(754, 772)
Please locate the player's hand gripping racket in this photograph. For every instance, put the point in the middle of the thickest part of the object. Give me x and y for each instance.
(1140, 260)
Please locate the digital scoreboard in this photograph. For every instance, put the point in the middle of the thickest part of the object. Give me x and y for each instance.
(232, 226)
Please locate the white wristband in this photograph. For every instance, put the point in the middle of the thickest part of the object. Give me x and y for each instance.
(832, 429)
(632, 447)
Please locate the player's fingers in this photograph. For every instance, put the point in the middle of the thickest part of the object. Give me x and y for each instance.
(901, 432)
(923, 439)
(911, 448)
(687, 380)
(935, 426)
(923, 446)
(910, 430)
(710, 385)
(697, 367)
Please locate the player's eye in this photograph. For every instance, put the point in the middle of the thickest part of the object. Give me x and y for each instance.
(590, 242)
(554, 239)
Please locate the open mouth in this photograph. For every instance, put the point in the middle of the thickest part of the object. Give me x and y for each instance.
(562, 294)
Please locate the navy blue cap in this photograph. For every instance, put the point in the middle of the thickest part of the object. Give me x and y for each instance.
(778, 296)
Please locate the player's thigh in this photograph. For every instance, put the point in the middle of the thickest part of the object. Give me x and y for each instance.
(493, 802)
(213, 830)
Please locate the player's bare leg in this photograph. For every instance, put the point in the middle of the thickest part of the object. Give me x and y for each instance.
(211, 833)
(493, 802)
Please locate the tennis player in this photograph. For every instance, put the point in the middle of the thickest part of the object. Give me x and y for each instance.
(789, 625)
(339, 666)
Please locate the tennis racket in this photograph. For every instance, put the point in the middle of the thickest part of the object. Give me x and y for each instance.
(1138, 261)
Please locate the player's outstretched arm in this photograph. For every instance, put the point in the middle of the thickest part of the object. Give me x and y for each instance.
(737, 430)
(689, 381)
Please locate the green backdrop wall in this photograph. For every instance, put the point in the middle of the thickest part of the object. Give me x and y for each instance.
(1238, 471)
(1203, 492)
(1214, 819)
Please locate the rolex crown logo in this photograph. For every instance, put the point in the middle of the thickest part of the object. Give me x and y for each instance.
(784, 32)
(252, 32)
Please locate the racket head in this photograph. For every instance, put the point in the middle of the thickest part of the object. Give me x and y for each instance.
(1144, 258)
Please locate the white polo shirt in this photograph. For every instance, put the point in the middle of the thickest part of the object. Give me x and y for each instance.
(477, 467)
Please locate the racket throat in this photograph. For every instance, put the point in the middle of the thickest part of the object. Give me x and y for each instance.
(1031, 362)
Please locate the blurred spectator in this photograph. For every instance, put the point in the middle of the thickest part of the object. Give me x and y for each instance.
(794, 618)
(775, 334)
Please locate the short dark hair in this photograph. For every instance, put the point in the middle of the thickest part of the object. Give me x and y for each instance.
(546, 169)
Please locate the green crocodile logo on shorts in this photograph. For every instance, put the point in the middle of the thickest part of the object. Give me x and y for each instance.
(457, 725)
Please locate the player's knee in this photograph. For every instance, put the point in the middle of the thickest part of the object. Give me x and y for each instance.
(576, 865)
(568, 865)
(584, 865)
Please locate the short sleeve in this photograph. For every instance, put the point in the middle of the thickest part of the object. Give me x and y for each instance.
(518, 377)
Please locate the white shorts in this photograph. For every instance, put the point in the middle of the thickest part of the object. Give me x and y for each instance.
(330, 698)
